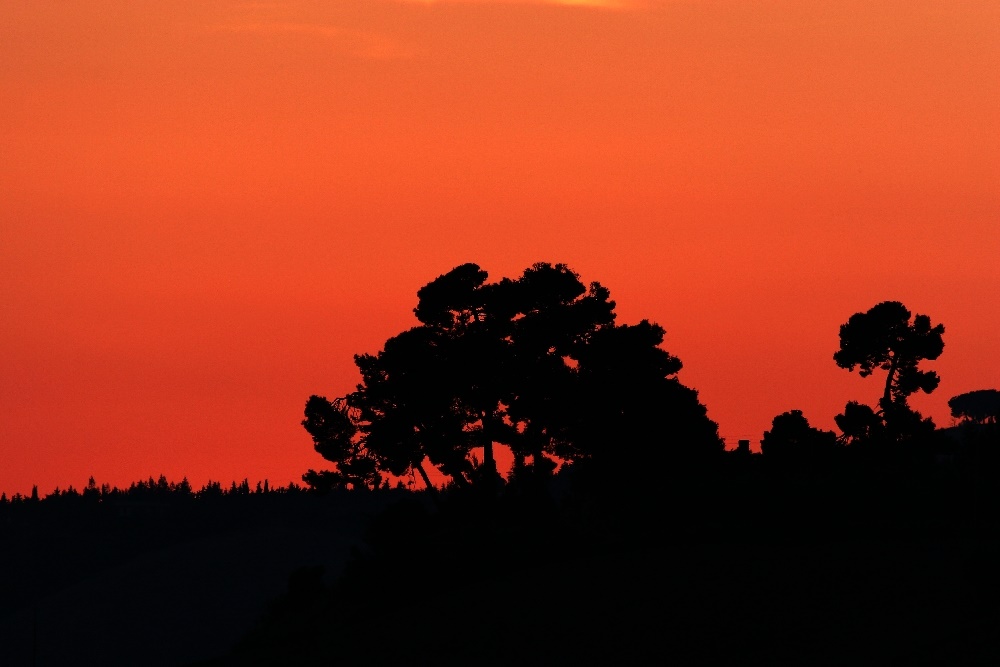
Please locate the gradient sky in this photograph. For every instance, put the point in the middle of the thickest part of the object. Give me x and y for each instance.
(207, 206)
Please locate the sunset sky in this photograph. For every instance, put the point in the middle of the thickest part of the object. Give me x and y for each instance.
(207, 207)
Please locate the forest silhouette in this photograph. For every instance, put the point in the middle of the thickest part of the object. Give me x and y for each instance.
(623, 533)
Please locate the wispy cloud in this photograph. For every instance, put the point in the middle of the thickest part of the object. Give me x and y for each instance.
(599, 4)
(271, 27)
(596, 4)
(362, 44)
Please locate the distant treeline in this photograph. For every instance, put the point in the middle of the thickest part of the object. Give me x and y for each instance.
(149, 492)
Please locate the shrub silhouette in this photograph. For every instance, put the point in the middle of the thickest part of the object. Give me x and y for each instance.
(791, 438)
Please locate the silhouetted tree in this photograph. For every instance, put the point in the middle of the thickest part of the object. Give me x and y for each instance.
(791, 438)
(860, 423)
(536, 364)
(884, 337)
(462, 379)
(978, 407)
(337, 437)
(210, 490)
(628, 392)
(91, 493)
(979, 432)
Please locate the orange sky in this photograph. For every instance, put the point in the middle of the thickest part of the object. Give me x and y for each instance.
(207, 206)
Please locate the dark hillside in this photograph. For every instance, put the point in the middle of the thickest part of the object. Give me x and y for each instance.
(863, 560)
(159, 581)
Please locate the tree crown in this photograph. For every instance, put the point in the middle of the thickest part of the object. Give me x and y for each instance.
(535, 363)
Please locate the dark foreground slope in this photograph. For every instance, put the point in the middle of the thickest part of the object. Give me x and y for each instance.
(159, 582)
(844, 604)
(741, 567)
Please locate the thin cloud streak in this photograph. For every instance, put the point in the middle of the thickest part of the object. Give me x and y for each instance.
(591, 4)
(270, 28)
(368, 45)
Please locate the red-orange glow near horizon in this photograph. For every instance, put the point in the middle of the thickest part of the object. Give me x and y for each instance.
(207, 207)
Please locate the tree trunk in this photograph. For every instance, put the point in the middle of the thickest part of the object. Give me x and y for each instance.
(489, 466)
(427, 480)
(489, 461)
(887, 395)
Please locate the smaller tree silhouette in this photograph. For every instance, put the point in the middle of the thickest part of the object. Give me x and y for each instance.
(886, 337)
(336, 437)
(979, 412)
(977, 407)
(859, 423)
(791, 438)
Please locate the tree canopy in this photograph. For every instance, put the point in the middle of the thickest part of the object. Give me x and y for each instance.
(536, 364)
(792, 438)
(979, 407)
(886, 337)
